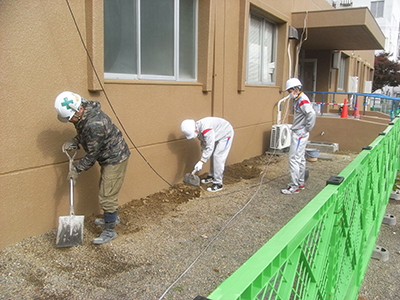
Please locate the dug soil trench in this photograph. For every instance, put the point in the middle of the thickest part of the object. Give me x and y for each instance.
(175, 244)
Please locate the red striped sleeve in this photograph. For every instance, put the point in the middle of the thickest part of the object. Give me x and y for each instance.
(304, 102)
(205, 131)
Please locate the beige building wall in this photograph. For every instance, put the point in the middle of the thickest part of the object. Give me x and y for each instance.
(41, 55)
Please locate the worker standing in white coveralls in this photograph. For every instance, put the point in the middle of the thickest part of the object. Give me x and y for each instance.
(303, 122)
(215, 135)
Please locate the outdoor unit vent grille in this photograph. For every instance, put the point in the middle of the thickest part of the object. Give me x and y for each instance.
(280, 136)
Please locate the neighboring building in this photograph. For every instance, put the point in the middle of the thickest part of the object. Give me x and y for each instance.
(159, 62)
(386, 13)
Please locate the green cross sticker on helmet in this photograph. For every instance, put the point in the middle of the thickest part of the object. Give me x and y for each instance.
(66, 104)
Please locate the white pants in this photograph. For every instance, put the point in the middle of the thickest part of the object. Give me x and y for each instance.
(218, 158)
(297, 159)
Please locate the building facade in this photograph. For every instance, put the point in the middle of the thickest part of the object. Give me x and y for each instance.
(152, 64)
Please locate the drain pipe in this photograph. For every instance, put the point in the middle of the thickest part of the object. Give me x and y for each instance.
(278, 118)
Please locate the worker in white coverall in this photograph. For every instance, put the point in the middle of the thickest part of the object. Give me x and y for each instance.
(303, 122)
(215, 135)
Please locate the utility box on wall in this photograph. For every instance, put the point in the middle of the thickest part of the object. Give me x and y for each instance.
(353, 84)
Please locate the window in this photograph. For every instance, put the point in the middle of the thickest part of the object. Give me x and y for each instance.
(150, 39)
(398, 44)
(346, 3)
(342, 71)
(377, 8)
(261, 55)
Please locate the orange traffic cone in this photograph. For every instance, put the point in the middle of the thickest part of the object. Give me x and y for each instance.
(344, 109)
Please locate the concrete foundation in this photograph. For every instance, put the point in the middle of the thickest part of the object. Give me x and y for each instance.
(325, 147)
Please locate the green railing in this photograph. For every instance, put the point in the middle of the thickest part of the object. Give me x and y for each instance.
(323, 252)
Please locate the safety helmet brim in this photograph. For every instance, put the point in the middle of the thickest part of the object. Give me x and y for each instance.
(62, 119)
(192, 136)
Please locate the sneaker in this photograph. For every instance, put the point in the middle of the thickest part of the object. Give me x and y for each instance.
(290, 190)
(302, 187)
(208, 179)
(215, 188)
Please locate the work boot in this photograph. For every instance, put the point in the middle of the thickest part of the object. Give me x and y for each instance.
(100, 221)
(107, 235)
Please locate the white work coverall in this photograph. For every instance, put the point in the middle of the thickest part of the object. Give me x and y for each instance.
(215, 135)
(303, 122)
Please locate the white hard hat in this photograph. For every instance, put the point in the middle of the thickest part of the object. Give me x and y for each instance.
(66, 104)
(292, 83)
(188, 127)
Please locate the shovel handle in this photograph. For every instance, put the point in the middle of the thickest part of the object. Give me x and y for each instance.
(193, 172)
(71, 158)
(71, 197)
(71, 181)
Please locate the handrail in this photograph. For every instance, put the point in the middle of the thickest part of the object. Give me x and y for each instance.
(395, 106)
(323, 252)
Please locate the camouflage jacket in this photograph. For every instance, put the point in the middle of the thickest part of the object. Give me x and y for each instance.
(99, 137)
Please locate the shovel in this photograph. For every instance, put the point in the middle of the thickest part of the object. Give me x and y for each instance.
(70, 228)
(192, 179)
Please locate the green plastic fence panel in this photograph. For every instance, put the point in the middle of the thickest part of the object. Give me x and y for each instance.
(323, 252)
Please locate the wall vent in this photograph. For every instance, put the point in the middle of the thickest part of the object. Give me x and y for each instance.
(293, 33)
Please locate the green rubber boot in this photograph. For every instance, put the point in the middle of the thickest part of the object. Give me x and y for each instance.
(107, 235)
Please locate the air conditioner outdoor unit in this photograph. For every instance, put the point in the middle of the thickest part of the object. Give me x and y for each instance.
(280, 136)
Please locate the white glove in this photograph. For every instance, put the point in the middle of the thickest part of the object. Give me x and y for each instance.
(198, 166)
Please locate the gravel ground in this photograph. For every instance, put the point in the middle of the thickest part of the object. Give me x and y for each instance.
(382, 279)
(172, 246)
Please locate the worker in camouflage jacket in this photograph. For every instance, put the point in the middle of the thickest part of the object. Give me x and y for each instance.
(103, 142)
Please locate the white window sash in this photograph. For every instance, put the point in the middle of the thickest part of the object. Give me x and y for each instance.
(261, 56)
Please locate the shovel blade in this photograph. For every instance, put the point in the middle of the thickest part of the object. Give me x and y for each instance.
(70, 231)
(192, 179)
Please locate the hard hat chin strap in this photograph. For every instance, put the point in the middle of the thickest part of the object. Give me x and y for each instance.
(77, 110)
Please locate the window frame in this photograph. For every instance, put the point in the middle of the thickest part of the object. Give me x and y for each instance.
(262, 40)
(176, 77)
(379, 8)
(343, 71)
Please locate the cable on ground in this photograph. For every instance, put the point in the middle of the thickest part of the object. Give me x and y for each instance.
(223, 228)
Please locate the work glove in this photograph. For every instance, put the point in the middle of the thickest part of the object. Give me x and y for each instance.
(70, 145)
(198, 166)
(73, 173)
